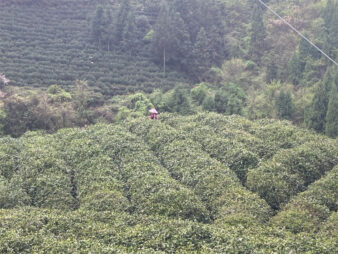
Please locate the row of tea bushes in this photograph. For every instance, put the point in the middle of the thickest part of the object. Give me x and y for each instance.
(50, 44)
(306, 211)
(103, 168)
(38, 176)
(300, 156)
(189, 164)
(264, 137)
(36, 230)
(152, 187)
(226, 146)
(290, 171)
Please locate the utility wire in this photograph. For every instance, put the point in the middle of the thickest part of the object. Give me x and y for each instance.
(299, 33)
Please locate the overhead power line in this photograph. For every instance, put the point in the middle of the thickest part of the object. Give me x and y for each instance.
(299, 33)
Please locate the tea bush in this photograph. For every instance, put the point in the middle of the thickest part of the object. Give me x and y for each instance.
(169, 186)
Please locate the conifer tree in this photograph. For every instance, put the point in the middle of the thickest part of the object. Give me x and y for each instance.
(330, 16)
(179, 101)
(107, 30)
(129, 40)
(258, 34)
(121, 21)
(217, 44)
(306, 51)
(180, 39)
(202, 52)
(271, 71)
(295, 69)
(331, 128)
(317, 111)
(98, 26)
(208, 103)
(161, 43)
(284, 105)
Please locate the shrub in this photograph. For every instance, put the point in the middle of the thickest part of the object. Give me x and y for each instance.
(291, 171)
(199, 93)
(306, 211)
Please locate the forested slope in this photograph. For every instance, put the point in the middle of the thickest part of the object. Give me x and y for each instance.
(242, 57)
(204, 183)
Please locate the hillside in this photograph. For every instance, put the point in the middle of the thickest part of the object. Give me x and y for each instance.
(205, 183)
(48, 42)
(235, 56)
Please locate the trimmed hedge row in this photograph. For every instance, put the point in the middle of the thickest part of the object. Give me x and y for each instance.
(306, 211)
(189, 164)
(232, 148)
(32, 230)
(291, 171)
(102, 168)
(36, 36)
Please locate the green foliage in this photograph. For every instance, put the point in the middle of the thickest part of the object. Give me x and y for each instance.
(57, 94)
(179, 101)
(309, 209)
(271, 72)
(316, 112)
(139, 103)
(165, 186)
(331, 32)
(331, 120)
(149, 36)
(129, 34)
(198, 93)
(18, 117)
(184, 184)
(295, 68)
(202, 52)
(193, 40)
(284, 105)
(291, 171)
(124, 23)
(208, 103)
(230, 99)
(258, 33)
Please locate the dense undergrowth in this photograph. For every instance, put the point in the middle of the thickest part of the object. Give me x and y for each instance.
(204, 183)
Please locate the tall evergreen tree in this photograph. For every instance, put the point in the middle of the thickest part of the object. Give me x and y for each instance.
(258, 34)
(107, 36)
(202, 52)
(121, 21)
(98, 26)
(284, 105)
(179, 101)
(295, 69)
(172, 40)
(230, 99)
(331, 128)
(307, 51)
(316, 113)
(129, 39)
(330, 16)
(180, 39)
(271, 71)
(161, 43)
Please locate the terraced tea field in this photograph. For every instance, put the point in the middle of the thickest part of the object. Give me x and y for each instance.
(48, 42)
(199, 184)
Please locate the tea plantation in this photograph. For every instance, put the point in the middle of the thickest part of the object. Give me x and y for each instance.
(205, 183)
(46, 42)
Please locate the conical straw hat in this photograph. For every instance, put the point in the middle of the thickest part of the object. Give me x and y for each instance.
(153, 111)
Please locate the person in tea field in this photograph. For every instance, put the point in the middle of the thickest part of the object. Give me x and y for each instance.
(154, 114)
